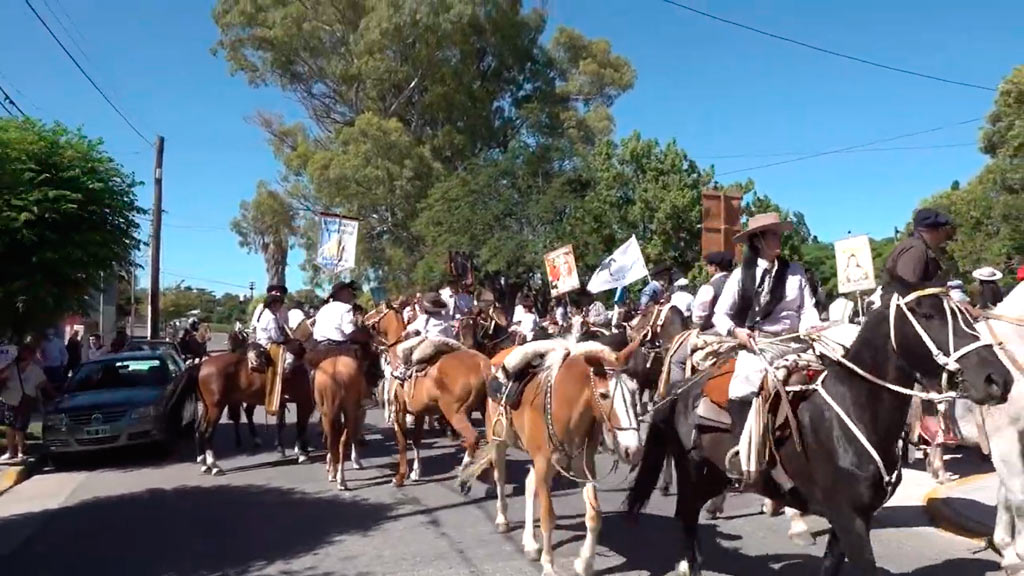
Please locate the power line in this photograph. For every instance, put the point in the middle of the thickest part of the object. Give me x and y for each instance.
(86, 74)
(849, 148)
(887, 149)
(6, 109)
(60, 23)
(827, 51)
(221, 282)
(7, 98)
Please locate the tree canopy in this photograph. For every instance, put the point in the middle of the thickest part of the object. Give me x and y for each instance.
(989, 209)
(267, 225)
(67, 218)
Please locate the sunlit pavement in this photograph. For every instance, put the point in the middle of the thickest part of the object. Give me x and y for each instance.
(133, 514)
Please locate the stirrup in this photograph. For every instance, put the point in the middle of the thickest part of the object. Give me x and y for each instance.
(734, 473)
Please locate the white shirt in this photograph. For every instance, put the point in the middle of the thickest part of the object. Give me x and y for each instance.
(282, 317)
(268, 329)
(433, 325)
(701, 306)
(683, 300)
(53, 353)
(295, 317)
(407, 314)
(794, 313)
(561, 316)
(31, 378)
(527, 322)
(840, 310)
(335, 321)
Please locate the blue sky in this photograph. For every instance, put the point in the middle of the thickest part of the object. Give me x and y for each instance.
(719, 91)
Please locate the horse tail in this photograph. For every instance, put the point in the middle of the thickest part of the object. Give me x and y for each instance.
(184, 394)
(660, 442)
(483, 459)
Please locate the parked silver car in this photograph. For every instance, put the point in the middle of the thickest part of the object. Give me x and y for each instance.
(113, 401)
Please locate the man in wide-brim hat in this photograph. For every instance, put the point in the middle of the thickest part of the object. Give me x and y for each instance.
(434, 322)
(766, 296)
(278, 289)
(654, 291)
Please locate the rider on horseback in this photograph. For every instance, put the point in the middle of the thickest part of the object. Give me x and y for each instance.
(655, 289)
(767, 296)
(525, 321)
(719, 266)
(434, 322)
(277, 289)
(336, 324)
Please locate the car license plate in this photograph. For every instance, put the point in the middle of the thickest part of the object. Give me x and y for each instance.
(94, 431)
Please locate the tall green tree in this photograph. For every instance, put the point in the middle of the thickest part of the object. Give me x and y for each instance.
(267, 225)
(405, 96)
(67, 217)
(793, 242)
(989, 209)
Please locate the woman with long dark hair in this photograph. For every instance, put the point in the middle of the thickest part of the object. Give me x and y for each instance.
(989, 292)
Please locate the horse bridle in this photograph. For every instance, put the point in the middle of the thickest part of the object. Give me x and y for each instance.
(382, 313)
(948, 362)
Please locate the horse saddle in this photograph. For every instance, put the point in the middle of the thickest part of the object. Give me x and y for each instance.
(331, 349)
(505, 388)
(259, 358)
(712, 407)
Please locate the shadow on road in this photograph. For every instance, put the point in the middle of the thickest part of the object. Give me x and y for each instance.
(188, 530)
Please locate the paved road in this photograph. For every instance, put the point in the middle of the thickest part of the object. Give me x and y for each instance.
(153, 517)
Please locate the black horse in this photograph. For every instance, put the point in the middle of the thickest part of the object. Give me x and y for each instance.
(835, 476)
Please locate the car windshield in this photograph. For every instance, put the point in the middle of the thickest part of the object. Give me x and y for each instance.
(120, 373)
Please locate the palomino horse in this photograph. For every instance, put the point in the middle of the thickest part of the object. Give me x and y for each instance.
(454, 385)
(849, 466)
(224, 380)
(579, 393)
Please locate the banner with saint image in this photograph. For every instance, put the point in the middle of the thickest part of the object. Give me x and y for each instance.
(855, 268)
(561, 269)
(338, 237)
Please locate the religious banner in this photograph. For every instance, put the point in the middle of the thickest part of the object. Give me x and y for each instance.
(338, 237)
(625, 266)
(855, 269)
(561, 268)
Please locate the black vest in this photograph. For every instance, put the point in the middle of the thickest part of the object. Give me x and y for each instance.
(717, 284)
(748, 314)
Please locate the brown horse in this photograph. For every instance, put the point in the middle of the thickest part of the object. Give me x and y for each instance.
(338, 386)
(454, 385)
(579, 393)
(224, 380)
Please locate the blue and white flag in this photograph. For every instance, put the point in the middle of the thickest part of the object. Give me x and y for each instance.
(337, 250)
(625, 266)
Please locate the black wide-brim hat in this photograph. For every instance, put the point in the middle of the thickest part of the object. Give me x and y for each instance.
(272, 299)
(433, 303)
(930, 219)
(350, 284)
(721, 258)
(277, 288)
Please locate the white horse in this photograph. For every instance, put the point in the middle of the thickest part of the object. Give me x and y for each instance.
(1005, 426)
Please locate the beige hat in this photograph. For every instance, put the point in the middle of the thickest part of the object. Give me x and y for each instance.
(987, 273)
(762, 222)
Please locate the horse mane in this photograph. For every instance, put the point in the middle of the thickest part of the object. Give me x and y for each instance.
(522, 356)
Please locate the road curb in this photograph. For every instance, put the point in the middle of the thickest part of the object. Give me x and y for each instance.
(945, 516)
(13, 476)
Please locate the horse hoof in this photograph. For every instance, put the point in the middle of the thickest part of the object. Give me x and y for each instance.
(397, 483)
(303, 458)
(204, 469)
(683, 568)
(216, 471)
(502, 527)
(802, 538)
(282, 452)
(583, 566)
(343, 487)
(532, 553)
(357, 464)
(712, 514)
(201, 459)
(332, 478)
(463, 487)
(415, 476)
(665, 490)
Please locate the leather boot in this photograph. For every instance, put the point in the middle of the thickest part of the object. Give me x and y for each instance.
(739, 409)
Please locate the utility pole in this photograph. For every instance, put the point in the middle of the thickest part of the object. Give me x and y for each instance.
(154, 241)
(252, 286)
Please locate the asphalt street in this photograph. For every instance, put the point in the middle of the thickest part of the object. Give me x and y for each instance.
(149, 515)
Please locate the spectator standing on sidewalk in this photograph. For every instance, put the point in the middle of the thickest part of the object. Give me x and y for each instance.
(54, 356)
(74, 350)
(96, 348)
(21, 382)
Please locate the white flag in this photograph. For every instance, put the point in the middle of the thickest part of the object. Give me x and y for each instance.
(625, 266)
